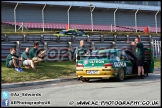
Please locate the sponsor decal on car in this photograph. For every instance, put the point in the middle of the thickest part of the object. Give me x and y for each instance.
(96, 61)
(85, 61)
(120, 64)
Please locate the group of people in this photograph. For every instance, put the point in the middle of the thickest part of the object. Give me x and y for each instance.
(28, 58)
(31, 56)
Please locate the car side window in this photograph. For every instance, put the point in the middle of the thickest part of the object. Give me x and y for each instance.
(80, 33)
(122, 55)
(68, 33)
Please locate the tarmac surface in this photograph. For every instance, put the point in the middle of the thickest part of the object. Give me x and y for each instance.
(30, 83)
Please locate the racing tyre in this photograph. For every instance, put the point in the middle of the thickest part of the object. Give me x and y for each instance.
(84, 79)
(145, 74)
(120, 75)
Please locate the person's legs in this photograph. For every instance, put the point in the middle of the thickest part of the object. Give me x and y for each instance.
(139, 70)
(15, 63)
(142, 70)
(29, 63)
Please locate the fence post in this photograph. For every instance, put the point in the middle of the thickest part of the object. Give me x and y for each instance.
(72, 38)
(88, 40)
(69, 51)
(139, 37)
(102, 38)
(18, 48)
(155, 49)
(46, 48)
(6, 38)
(113, 44)
(150, 38)
(158, 51)
(127, 38)
(58, 39)
(42, 38)
(93, 46)
(115, 38)
(24, 38)
(152, 48)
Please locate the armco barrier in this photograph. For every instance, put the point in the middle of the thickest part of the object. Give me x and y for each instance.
(92, 38)
(64, 50)
(78, 38)
(103, 45)
(123, 45)
(109, 38)
(95, 38)
(49, 38)
(122, 38)
(66, 39)
(146, 38)
(5, 49)
(14, 38)
(57, 51)
(33, 38)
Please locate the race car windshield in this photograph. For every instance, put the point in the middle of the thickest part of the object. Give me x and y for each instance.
(101, 55)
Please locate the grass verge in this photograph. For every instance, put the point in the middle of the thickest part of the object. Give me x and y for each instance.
(47, 70)
(157, 63)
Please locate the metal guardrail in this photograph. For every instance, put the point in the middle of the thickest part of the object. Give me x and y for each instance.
(66, 50)
(92, 38)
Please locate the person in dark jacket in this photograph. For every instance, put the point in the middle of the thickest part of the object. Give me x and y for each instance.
(140, 56)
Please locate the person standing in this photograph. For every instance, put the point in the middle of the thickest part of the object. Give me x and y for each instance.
(140, 56)
(81, 50)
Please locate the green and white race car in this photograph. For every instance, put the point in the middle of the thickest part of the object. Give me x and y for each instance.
(112, 63)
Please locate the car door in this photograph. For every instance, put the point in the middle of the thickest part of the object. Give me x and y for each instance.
(129, 67)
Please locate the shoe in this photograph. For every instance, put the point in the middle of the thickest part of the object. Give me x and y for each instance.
(142, 76)
(21, 69)
(35, 69)
(138, 77)
(17, 69)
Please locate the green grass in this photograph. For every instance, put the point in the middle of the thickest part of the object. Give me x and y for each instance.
(157, 63)
(47, 70)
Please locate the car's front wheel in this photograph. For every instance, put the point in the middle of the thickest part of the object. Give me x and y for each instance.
(120, 75)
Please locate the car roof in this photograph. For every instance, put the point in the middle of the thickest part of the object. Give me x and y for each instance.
(106, 50)
(69, 30)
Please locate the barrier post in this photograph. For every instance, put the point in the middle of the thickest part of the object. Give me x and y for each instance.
(113, 44)
(93, 45)
(88, 40)
(42, 38)
(115, 38)
(46, 48)
(102, 38)
(70, 51)
(6, 38)
(18, 47)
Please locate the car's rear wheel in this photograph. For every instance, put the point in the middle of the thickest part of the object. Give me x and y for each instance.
(84, 79)
(146, 74)
(120, 75)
